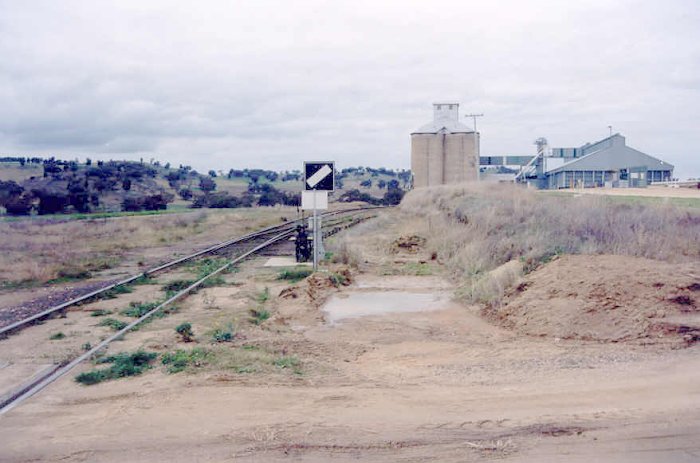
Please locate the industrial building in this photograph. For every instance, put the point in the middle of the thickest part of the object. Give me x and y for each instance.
(608, 162)
(444, 150)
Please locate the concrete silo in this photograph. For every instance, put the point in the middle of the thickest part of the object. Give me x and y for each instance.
(445, 150)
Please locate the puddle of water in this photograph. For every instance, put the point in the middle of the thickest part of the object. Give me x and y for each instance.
(365, 303)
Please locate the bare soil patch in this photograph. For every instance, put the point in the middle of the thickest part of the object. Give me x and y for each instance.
(607, 299)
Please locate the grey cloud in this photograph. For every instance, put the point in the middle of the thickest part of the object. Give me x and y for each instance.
(270, 83)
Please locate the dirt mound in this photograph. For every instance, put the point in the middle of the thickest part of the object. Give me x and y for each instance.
(411, 244)
(608, 299)
(317, 287)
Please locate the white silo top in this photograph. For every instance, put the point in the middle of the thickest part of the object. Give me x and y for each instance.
(445, 117)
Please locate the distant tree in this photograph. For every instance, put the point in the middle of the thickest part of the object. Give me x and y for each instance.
(19, 205)
(9, 191)
(88, 162)
(78, 196)
(356, 195)
(270, 196)
(126, 184)
(366, 183)
(207, 184)
(393, 184)
(381, 184)
(393, 196)
(51, 202)
(185, 193)
(212, 173)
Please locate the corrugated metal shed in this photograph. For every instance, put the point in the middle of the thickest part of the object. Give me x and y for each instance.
(614, 157)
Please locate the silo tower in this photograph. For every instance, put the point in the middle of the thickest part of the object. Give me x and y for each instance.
(445, 150)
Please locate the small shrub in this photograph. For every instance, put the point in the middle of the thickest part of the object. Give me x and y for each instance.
(139, 309)
(294, 275)
(258, 316)
(89, 378)
(223, 335)
(113, 323)
(87, 346)
(337, 279)
(288, 362)
(185, 331)
(100, 313)
(114, 292)
(122, 365)
(57, 336)
(180, 359)
(206, 266)
(263, 296)
(176, 286)
(74, 273)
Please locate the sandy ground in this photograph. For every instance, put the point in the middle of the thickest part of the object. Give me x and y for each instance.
(408, 385)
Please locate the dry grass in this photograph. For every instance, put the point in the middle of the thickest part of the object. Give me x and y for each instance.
(37, 251)
(476, 229)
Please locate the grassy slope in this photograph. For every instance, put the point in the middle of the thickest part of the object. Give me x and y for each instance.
(488, 234)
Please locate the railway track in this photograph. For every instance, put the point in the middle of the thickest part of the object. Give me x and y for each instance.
(217, 248)
(279, 233)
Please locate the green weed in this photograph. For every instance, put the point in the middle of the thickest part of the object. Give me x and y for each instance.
(176, 286)
(100, 313)
(294, 275)
(57, 336)
(113, 323)
(337, 279)
(185, 331)
(258, 316)
(122, 365)
(139, 309)
(288, 362)
(263, 296)
(224, 334)
(180, 359)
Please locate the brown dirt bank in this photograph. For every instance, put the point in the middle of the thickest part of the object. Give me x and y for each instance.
(606, 298)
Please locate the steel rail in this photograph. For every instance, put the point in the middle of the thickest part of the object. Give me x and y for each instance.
(42, 383)
(151, 271)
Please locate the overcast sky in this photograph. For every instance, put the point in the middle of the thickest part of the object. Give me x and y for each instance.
(221, 84)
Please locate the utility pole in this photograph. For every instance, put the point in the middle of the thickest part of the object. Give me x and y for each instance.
(478, 145)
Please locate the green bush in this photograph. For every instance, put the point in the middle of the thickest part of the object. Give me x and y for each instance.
(223, 335)
(122, 365)
(263, 296)
(57, 336)
(294, 275)
(258, 316)
(139, 309)
(180, 359)
(113, 323)
(100, 313)
(288, 362)
(176, 286)
(185, 331)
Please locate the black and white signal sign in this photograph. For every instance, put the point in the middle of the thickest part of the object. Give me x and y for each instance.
(319, 176)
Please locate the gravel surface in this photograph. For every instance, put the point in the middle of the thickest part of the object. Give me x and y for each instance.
(12, 314)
